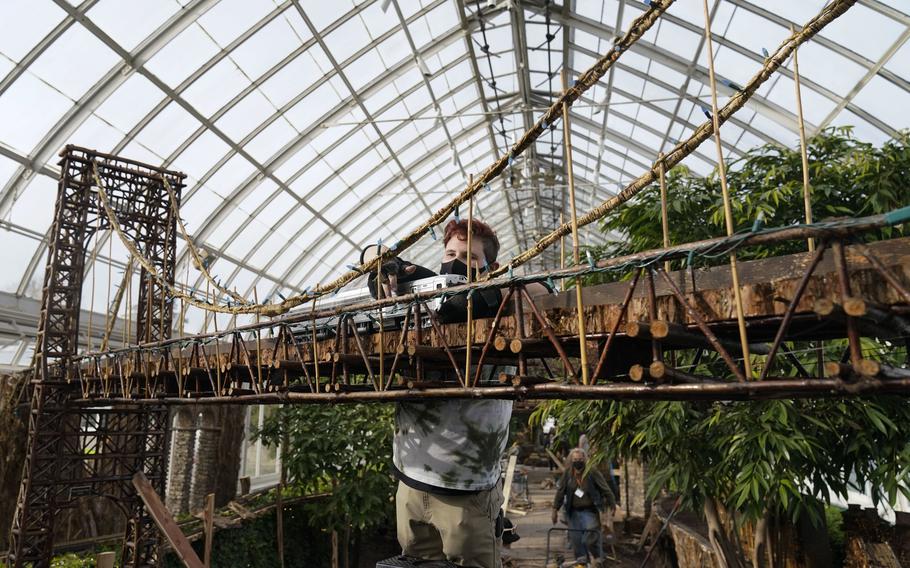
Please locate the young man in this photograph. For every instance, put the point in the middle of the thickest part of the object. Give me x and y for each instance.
(446, 452)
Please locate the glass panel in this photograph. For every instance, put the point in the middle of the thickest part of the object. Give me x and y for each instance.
(130, 102)
(129, 22)
(201, 155)
(22, 122)
(276, 136)
(210, 92)
(229, 18)
(168, 130)
(183, 55)
(870, 45)
(246, 115)
(74, 62)
(15, 254)
(33, 21)
(266, 48)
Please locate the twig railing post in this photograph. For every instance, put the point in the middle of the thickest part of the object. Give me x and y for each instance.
(803, 149)
(728, 211)
(664, 217)
(570, 177)
(469, 325)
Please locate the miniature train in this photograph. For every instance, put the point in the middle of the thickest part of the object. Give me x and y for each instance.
(393, 317)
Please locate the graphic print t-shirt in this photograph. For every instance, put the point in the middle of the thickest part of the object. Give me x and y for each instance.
(452, 444)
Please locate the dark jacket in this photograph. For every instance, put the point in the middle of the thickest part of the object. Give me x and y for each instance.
(593, 484)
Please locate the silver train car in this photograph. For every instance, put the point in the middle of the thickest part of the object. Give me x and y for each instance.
(368, 322)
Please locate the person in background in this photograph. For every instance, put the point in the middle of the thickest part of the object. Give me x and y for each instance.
(589, 504)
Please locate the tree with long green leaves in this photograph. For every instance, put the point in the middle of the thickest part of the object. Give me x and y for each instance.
(345, 452)
(760, 462)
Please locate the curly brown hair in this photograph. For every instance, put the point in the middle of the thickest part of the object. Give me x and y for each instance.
(482, 231)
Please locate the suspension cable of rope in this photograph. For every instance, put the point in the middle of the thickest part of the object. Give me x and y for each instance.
(584, 82)
(147, 264)
(200, 265)
(702, 133)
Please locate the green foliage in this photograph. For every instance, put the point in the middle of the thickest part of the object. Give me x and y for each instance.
(848, 178)
(835, 522)
(769, 456)
(342, 449)
(72, 560)
(756, 456)
(254, 543)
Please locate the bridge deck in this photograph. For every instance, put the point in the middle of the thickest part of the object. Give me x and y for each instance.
(539, 363)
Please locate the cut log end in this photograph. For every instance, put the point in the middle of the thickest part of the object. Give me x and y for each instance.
(657, 370)
(637, 373)
(515, 346)
(500, 343)
(868, 367)
(823, 307)
(855, 307)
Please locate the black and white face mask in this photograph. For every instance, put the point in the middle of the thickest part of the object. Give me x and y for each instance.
(456, 266)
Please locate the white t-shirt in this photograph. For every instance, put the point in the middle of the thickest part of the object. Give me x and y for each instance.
(451, 444)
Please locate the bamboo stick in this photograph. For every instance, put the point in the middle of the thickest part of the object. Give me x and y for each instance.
(728, 211)
(379, 294)
(562, 243)
(469, 332)
(664, 217)
(804, 152)
(258, 386)
(570, 176)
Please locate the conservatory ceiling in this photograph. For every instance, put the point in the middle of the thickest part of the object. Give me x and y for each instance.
(309, 129)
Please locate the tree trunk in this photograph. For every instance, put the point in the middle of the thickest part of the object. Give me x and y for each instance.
(347, 547)
(335, 549)
(761, 541)
(717, 536)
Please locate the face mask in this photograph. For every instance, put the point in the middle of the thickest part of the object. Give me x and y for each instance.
(456, 266)
(578, 465)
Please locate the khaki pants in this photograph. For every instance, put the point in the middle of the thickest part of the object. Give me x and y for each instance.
(460, 529)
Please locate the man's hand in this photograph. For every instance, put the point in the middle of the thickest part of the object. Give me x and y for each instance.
(555, 516)
(389, 273)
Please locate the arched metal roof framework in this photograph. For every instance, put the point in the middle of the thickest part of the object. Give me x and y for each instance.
(309, 129)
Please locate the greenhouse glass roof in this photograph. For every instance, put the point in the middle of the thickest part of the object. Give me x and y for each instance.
(309, 129)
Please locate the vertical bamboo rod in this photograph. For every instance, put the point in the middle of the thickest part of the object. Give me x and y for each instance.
(804, 152)
(379, 295)
(315, 346)
(579, 307)
(129, 311)
(469, 335)
(728, 212)
(664, 219)
(108, 326)
(562, 243)
(258, 345)
(220, 385)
